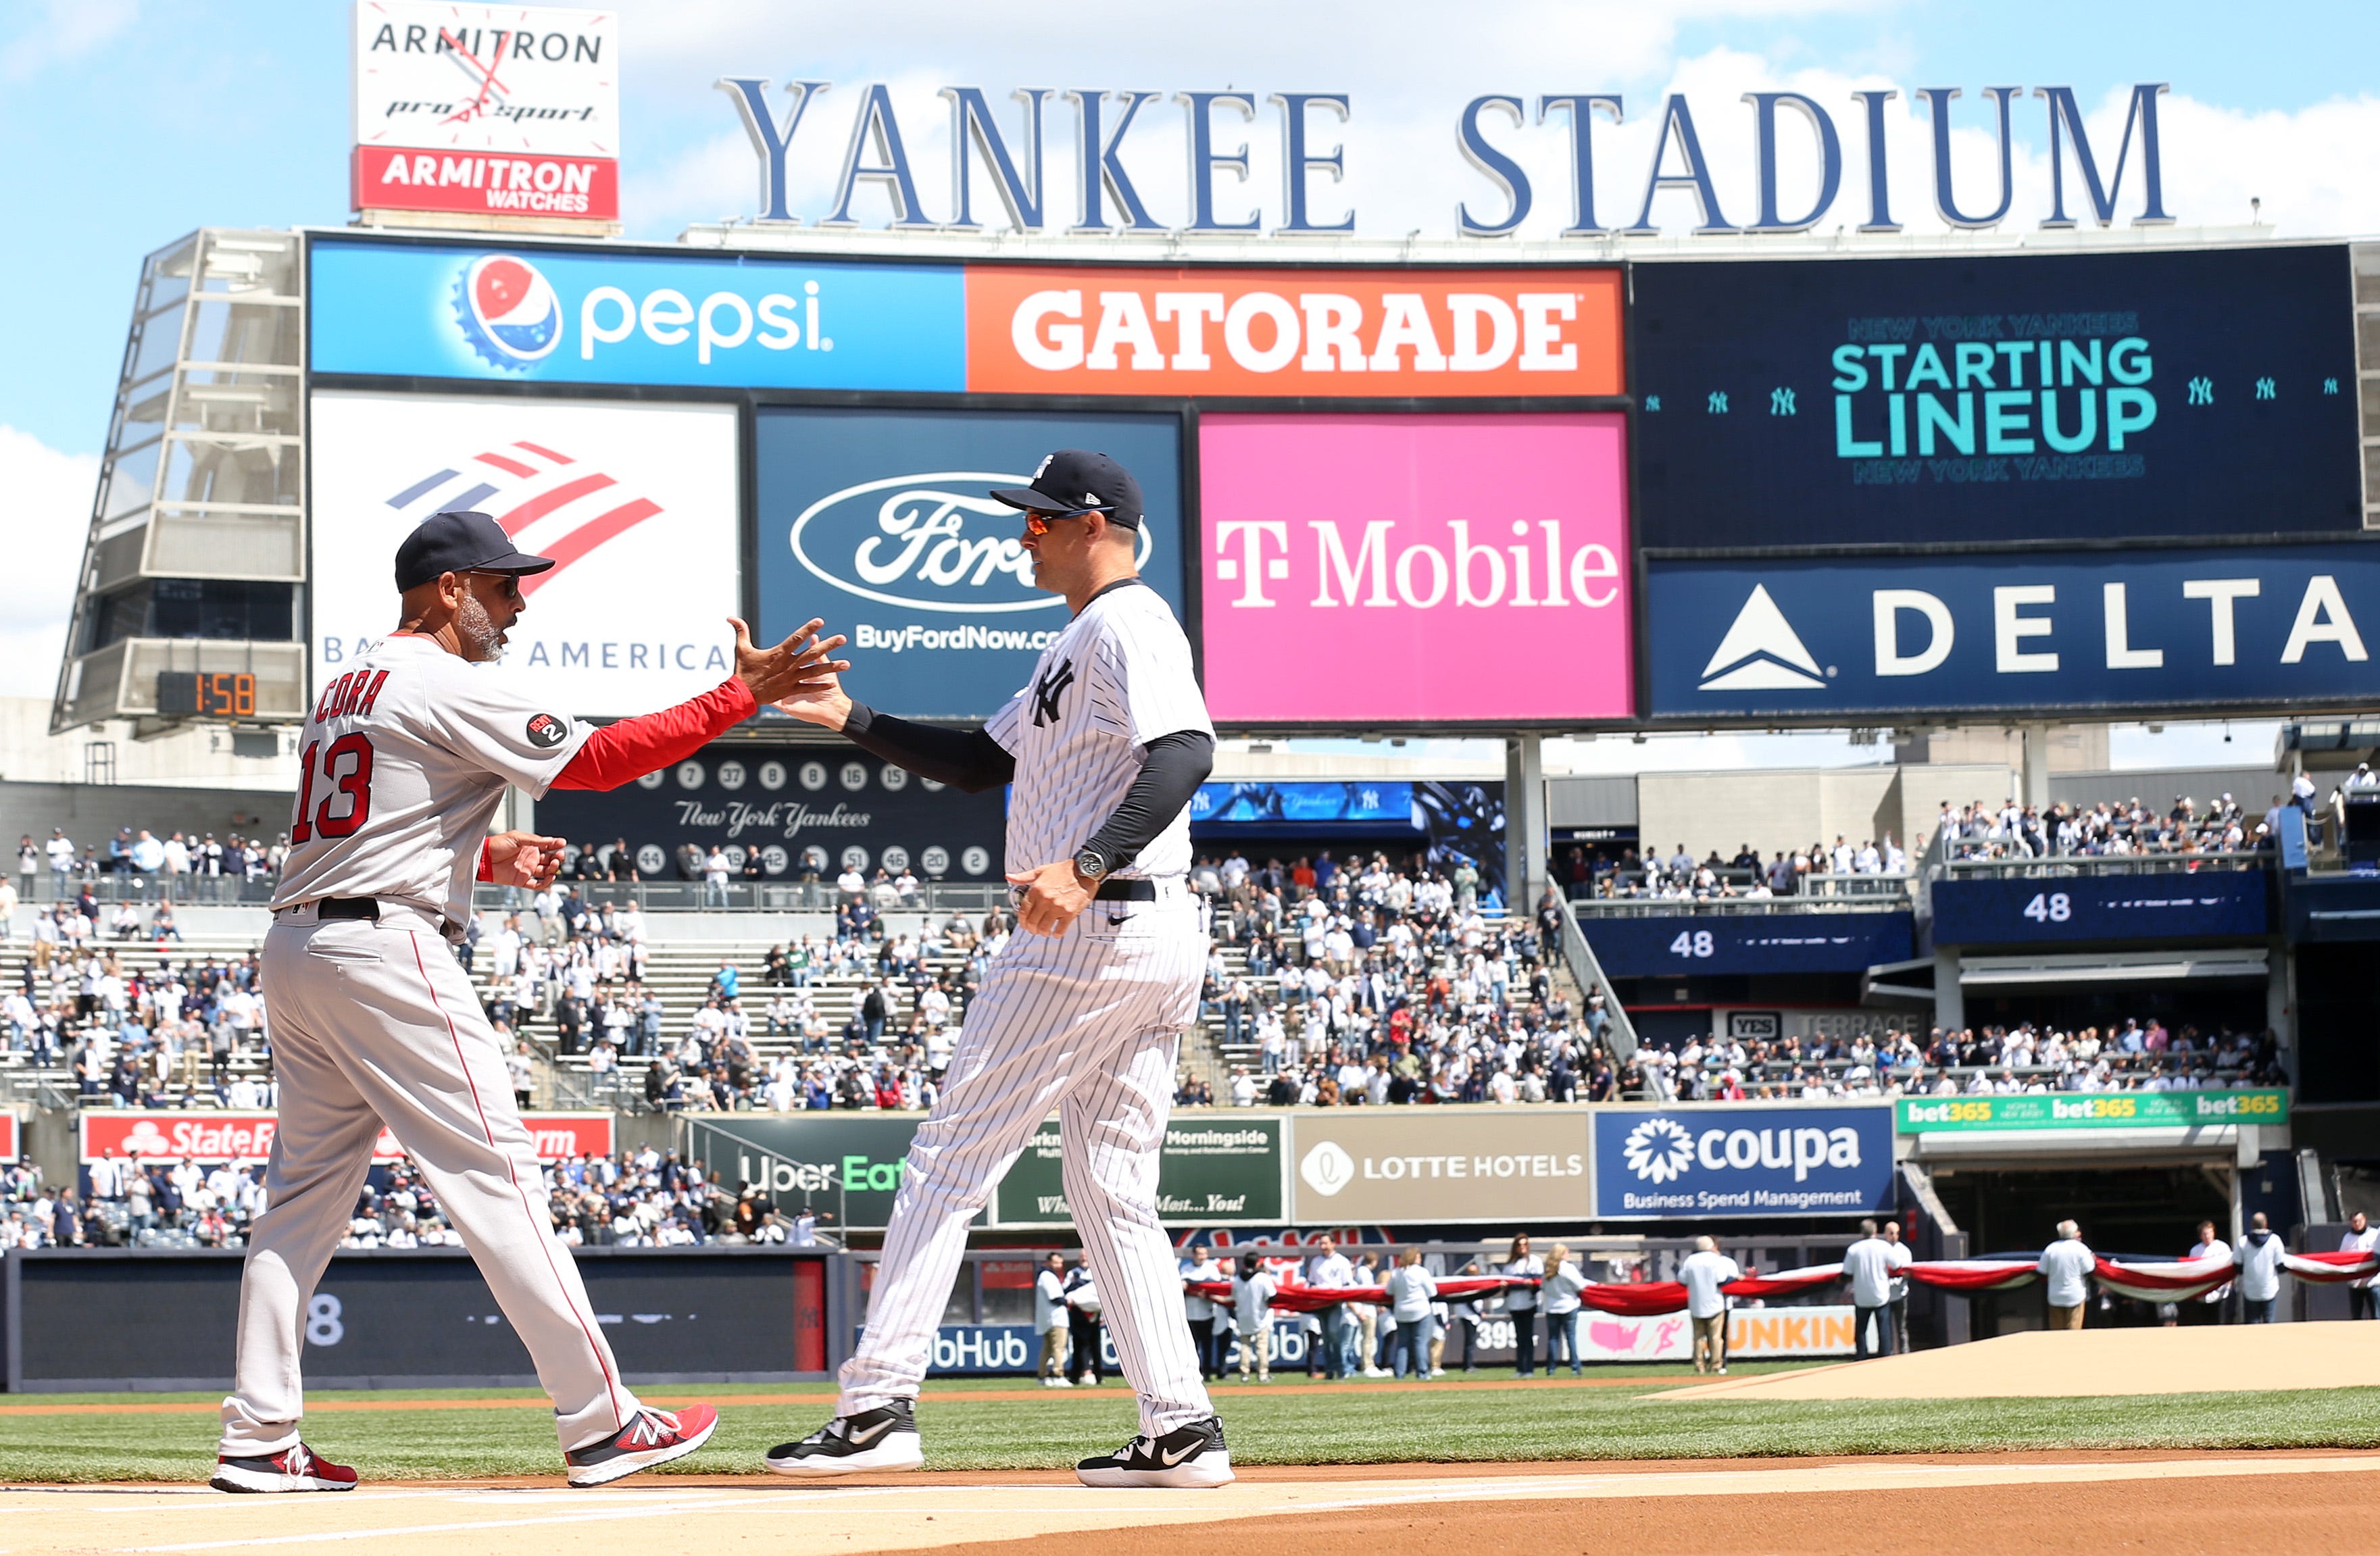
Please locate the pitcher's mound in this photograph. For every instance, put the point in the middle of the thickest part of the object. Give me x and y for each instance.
(2042, 1364)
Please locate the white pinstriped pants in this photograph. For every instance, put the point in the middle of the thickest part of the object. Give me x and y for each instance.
(375, 1023)
(1088, 1022)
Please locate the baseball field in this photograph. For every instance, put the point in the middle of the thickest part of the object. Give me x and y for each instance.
(1621, 1459)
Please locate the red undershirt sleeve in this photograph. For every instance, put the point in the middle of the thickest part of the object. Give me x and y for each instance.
(486, 864)
(632, 748)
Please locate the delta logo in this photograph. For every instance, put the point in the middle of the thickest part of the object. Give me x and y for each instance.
(1762, 652)
(507, 311)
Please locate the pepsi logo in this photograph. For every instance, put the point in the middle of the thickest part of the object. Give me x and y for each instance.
(507, 311)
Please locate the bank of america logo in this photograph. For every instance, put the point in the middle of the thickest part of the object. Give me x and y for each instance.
(551, 503)
(1761, 652)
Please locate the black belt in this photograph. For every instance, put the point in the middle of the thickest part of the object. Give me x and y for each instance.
(1113, 889)
(347, 908)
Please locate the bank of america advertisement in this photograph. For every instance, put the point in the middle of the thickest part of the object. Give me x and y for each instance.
(882, 523)
(1726, 1162)
(636, 504)
(1996, 397)
(2240, 627)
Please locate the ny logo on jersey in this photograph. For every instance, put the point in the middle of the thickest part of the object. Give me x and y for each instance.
(1047, 688)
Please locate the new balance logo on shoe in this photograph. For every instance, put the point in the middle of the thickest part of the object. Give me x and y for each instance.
(655, 1437)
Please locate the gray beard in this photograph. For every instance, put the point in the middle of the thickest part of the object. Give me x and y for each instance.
(479, 632)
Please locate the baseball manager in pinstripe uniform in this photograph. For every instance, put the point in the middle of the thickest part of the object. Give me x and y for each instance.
(1084, 1013)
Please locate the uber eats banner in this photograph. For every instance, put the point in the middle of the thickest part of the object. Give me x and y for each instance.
(1680, 1162)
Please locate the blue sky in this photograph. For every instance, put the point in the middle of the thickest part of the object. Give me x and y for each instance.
(126, 123)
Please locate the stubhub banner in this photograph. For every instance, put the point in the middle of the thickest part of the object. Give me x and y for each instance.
(1683, 1163)
(575, 316)
(2224, 626)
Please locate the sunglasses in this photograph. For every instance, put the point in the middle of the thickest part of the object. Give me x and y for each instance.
(1037, 522)
(512, 590)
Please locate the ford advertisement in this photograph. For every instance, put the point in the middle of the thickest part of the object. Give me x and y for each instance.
(1853, 637)
(882, 522)
(2054, 397)
(1680, 1164)
(533, 314)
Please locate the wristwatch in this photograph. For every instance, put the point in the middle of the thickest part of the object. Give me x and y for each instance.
(1091, 863)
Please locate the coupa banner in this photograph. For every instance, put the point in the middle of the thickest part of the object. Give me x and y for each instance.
(559, 315)
(2230, 626)
(230, 1137)
(1734, 1163)
(882, 522)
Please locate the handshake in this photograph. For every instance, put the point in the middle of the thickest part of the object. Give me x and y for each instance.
(799, 677)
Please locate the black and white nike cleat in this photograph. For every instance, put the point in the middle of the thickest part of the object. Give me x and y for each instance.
(883, 1439)
(1191, 1455)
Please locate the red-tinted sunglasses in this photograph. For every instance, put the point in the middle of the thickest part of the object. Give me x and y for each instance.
(1037, 523)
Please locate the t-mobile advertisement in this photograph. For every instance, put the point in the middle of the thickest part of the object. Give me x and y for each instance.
(1414, 569)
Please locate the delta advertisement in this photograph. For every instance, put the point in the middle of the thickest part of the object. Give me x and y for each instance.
(534, 314)
(1856, 636)
(636, 502)
(1414, 569)
(2161, 907)
(149, 1136)
(882, 522)
(1205, 330)
(1656, 1164)
(804, 809)
(2053, 398)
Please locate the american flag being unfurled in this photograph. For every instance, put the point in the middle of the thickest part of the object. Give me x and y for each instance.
(549, 502)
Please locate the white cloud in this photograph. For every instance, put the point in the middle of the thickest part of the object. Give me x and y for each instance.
(49, 511)
(59, 30)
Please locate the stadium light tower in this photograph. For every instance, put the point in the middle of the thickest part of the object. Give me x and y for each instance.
(190, 600)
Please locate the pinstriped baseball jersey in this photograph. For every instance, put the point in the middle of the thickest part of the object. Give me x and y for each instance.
(1117, 678)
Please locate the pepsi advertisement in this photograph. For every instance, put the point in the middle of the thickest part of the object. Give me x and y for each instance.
(1992, 398)
(1697, 946)
(532, 314)
(2200, 904)
(882, 522)
(1684, 1164)
(1855, 637)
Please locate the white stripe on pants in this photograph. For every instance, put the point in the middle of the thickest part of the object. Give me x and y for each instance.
(373, 1022)
(1088, 1022)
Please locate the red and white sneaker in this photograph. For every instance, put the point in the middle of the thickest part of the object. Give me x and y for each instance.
(294, 1468)
(655, 1436)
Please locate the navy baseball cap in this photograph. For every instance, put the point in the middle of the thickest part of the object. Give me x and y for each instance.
(1077, 480)
(459, 542)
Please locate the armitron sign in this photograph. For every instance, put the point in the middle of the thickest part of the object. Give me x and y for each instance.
(493, 110)
(229, 1137)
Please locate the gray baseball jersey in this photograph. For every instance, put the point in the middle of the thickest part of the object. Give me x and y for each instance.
(1117, 678)
(405, 760)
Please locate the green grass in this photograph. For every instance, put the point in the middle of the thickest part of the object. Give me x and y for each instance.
(1524, 1421)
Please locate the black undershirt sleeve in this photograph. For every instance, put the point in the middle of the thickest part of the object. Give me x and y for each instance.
(967, 760)
(1176, 765)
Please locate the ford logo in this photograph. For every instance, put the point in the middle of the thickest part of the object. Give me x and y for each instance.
(928, 543)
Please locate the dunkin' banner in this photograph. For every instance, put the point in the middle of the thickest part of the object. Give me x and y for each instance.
(229, 1137)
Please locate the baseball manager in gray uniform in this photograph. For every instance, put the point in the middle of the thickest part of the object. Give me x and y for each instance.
(1083, 1013)
(404, 759)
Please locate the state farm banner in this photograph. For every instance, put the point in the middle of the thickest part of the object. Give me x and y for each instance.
(153, 1135)
(501, 110)
(1437, 568)
(1139, 330)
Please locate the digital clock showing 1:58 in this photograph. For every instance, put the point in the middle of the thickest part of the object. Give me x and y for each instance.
(218, 694)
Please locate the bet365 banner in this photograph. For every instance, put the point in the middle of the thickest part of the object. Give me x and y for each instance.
(2114, 1110)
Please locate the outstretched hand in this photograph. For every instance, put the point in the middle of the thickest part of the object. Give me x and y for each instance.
(524, 858)
(819, 697)
(802, 665)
